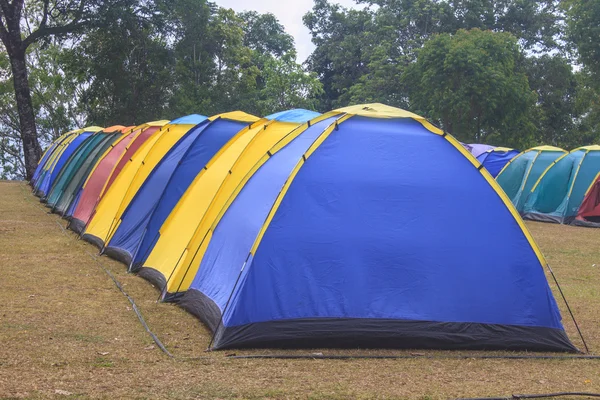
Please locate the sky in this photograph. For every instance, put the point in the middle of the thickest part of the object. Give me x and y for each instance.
(289, 13)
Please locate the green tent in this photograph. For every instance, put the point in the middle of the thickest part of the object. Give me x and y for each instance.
(73, 165)
(558, 193)
(72, 189)
(520, 174)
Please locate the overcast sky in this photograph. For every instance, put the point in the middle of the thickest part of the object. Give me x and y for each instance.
(289, 13)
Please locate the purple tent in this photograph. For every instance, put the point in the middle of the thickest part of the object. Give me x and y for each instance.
(477, 149)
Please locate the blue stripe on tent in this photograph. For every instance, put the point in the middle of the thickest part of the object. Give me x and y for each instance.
(371, 229)
(167, 183)
(235, 234)
(298, 115)
(71, 148)
(213, 138)
(494, 161)
(192, 119)
(43, 161)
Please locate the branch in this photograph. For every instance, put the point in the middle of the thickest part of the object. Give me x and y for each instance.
(45, 30)
(45, 14)
(52, 30)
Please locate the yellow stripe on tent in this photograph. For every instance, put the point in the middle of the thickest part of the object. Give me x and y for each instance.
(379, 110)
(539, 149)
(547, 169)
(577, 173)
(179, 232)
(180, 278)
(456, 145)
(106, 210)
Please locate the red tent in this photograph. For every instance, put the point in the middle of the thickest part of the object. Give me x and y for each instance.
(147, 132)
(589, 211)
(105, 173)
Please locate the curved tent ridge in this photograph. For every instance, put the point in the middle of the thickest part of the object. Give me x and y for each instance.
(297, 115)
(188, 119)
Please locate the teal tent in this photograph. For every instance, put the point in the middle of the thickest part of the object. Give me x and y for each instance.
(558, 194)
(522, 172)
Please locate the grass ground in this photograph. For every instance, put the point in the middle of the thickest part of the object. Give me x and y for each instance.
(66, 331)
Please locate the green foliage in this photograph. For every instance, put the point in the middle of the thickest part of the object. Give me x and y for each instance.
(496, 71)
(54, 100)
(287, 85)
(553, 80)
(361, 55)
(122, 68)
(473, 83)
(584, 30)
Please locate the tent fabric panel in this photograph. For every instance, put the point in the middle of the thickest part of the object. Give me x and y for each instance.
(98, 178)
(132, 148)
(299, 271)
(540, 164)
(550, 192)
(98, 155)
(71, 166)
(477, 149)
(296, 116)
(103, 216)
(81, 174)
(213, 138)
(589, 211)
(515, 175)
(177, 230)
(235, 234)
(179, 239)
(268, 141)
(494, 161)
(103, 225)
(135, 217)
(60, 162)
(588, 170)
(164, 143)
(192, 119)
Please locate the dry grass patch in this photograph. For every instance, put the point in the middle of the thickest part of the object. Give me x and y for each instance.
(66, 331)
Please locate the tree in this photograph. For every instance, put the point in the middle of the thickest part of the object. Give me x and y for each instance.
(473, 84)
(584, 30)
(124, 68)
(341, 44)
(556, 111)
(360, 55)
(287, 85)
(265, 35)
(54, 100)
(41, 20)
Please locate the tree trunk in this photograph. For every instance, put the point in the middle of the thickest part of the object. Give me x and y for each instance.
(31, 145)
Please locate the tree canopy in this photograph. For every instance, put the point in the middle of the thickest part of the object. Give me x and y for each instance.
(509, 72)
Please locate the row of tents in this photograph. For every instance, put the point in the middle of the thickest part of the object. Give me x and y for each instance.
(547, 183)
(550, 184)
(302, 229)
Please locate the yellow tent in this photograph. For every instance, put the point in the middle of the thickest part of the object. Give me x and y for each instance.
(115, 197)
(109, 211)
(182, 236)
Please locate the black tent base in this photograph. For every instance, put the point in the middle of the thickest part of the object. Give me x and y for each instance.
(76, 225)
(118, 254)
(153, 276)
(371, 333)
(586, 223)
(95, 240)
(396, 334)
(544, 218)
